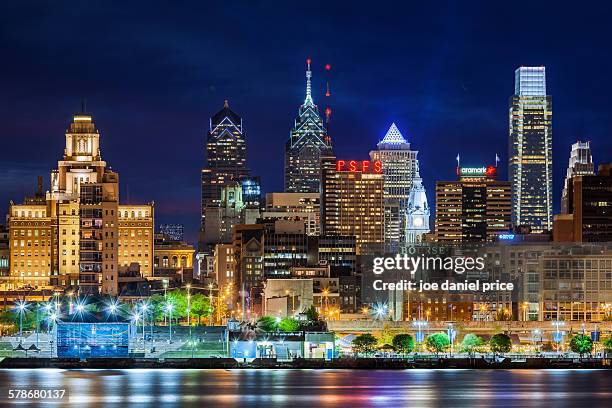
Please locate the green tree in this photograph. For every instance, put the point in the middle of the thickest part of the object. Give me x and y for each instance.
(581, 344)
(200, 306)
(437, 342)
(158, 303)
(289, 325)
(364, 343)
(311, 314)
(607, 344)
(470, 343)
(500, 343)
(404, 343)
(267, 323)
(178, 299)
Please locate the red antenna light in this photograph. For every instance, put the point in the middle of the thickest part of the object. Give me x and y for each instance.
(308, 61)
(327, 67)
(327, 92)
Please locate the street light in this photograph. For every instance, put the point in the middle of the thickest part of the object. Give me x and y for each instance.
(52, 319)
(21, 307)
(559, 336)
(169, 308)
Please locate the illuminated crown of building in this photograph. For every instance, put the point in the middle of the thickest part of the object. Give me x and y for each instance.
(393, 138)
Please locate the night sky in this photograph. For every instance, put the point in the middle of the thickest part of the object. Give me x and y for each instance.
(154, 72)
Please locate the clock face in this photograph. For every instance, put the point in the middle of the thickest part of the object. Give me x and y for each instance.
(418, 222)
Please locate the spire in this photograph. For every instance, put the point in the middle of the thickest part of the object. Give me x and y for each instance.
(308, 100)
(393, 136)
(226, 104)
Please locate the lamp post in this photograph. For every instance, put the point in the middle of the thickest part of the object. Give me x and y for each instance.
(144, 309)
(558, 323)
(52, 319)
(21, 307)
(169, 310)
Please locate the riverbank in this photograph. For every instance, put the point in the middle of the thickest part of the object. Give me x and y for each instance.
(343, 363)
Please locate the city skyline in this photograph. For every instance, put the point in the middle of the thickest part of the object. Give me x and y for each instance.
(457, 104)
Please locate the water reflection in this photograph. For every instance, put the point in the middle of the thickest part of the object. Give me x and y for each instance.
(326, 388)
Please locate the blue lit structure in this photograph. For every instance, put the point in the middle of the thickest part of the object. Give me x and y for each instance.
(92, 339)
(251, 191)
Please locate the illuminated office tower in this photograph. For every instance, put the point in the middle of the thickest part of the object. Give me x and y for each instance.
(475, 208)
(225, 157)
(307, 143)
(352, 202)
(399, 165)
(530, 150)
(580, 164)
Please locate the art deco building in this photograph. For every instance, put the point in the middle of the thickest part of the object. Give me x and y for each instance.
(352, 202)
(530, 150)
(307, 143)
(580, 164)
(225, 157)
(70, 238)
(399, 165)
(476, 208)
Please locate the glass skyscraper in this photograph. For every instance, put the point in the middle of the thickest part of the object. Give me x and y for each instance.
(225, 157)
(530, 150)
(307, 144)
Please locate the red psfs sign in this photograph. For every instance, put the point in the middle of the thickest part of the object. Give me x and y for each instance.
(362, 166)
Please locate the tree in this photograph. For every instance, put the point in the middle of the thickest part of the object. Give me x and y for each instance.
(178, 299)
(200, 306)
(404, 343)
(607, 344)
(158, 303)
(267, 324)
(470, 343)
(500, 343)
(289, 325)
(437, 342)
(364, 343)
(581, 344)
(311, 314)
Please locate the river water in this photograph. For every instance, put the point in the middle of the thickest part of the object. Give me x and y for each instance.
(316, 388)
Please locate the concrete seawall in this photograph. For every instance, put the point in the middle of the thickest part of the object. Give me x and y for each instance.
(345, 363)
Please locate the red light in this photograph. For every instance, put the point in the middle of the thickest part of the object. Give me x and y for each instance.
(363, 166)
(308, 61)
(327, 67)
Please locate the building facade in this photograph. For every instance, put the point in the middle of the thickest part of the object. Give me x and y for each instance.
(70, 237)
(399, 166)
(589, 202)
(352, 202)
(307, 143)
(580, 164)
(530, 150)
(476, 208)
(225, 157)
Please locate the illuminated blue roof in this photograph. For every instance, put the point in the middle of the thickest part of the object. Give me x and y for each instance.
(393, 137)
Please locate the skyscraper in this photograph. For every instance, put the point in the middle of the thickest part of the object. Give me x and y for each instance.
(530, 150)
(580, 164)
(352, 202)
(225, 157)
(476, 208)
(399, 166)
(307, 143)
